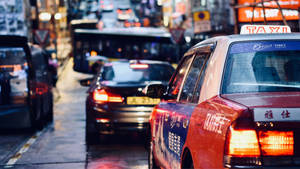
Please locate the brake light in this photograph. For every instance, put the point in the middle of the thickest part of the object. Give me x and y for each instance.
(93, 53)
(243, 143)
(119, 11)
(127, 24)
(129, 11)
(100, 95)
(137, 24)
(139, 66)
(277, 143)
(40, 88)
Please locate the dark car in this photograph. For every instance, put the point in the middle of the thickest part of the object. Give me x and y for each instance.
(26, 98)
(115, 101)
(46, 76)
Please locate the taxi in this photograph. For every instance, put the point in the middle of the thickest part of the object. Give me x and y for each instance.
(233, 102)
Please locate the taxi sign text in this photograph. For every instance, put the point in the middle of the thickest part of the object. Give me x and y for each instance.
(262, 29)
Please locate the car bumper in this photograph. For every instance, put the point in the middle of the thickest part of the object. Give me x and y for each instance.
(131, 118)
(14, 117)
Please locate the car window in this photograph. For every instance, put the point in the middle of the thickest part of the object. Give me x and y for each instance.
(39, 60)
(196, 96)
(122, 72)
(177, 81)
(13, 71)
(262, 66)
(187, 92)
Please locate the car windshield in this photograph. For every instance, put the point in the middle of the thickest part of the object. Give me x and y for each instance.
(122, 72)
(262, 66)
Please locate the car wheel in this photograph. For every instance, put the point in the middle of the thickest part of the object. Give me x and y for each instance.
(187, 161)
(36, 118)
(91, 136)
(50, 113)
(151, 162)
(147, 137)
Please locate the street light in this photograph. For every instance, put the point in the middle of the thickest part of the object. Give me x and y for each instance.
(57, 16)
(45, 16)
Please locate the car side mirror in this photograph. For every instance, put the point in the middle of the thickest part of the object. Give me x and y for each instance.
(155, 90)
(86, 82)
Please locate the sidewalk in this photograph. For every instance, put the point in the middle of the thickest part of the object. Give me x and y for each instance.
(64, 48)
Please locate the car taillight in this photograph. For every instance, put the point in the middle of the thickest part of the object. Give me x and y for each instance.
(139, 66)
(137, 24)
(128, 11)
(277, 143)
(127, 24)
(39, 88)
(100, 95)
(246, 147)
(243, 143)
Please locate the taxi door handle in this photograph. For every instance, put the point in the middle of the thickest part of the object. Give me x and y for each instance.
(199, 123)
(167, 117)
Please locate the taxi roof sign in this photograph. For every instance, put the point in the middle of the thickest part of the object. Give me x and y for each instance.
(263, 29)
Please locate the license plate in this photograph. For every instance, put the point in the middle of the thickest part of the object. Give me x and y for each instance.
(142, 101)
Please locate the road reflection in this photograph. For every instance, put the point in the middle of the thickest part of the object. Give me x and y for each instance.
(119, 152)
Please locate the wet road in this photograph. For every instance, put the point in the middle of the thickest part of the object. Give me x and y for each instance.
(61, 145)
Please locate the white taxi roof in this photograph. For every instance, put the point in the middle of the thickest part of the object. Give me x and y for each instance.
(248, 37)
(213, 80)
(263, 29)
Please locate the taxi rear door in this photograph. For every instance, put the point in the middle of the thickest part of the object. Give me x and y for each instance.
(166, 108)
(179, 111)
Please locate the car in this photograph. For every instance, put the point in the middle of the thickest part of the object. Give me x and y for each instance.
(124, 13)
(46, 77)
(25, 100)
(132, 23)
(233, 102)
(107, 5)
(115, 102)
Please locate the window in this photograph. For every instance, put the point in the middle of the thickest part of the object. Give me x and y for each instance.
(200, 80)
(121, 72)
(13, 73)
(187, 93)
(178, 79)
(262, 66)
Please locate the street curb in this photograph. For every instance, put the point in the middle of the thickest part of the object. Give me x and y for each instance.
(63, 67)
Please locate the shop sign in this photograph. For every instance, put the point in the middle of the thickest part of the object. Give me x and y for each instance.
(202, 26)
(246, 14)
(202, 21)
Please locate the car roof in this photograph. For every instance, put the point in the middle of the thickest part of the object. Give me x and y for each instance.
(251, 37)
(141, 61)
(13, 39)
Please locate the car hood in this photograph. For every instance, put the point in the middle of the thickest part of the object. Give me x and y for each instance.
(263, 100)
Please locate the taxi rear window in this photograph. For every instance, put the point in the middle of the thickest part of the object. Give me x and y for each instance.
(262, 66)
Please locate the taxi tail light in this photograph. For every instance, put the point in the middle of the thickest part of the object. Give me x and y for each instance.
(249, 147)
(119, 11)
(243, 143)
(100, 95)
(277, 143)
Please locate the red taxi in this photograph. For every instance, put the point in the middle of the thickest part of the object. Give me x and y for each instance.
(233, 102)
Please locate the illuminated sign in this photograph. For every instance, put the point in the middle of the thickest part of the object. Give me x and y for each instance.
(246, 14)
(258, 29)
